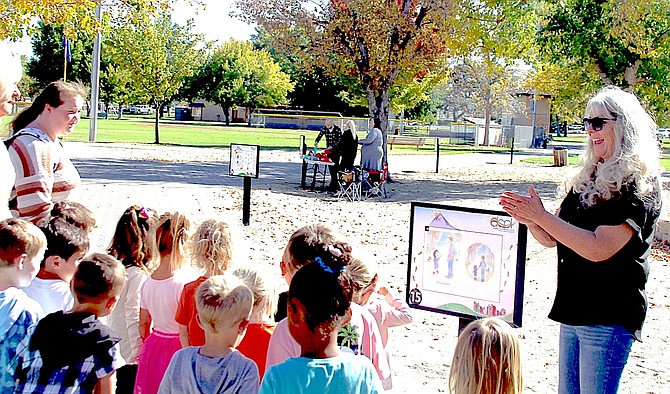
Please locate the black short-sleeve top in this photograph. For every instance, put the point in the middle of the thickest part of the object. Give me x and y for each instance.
(610, 292)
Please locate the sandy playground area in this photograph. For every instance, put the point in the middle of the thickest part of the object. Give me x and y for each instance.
(194, 180)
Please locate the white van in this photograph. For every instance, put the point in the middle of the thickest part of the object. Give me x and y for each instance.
(142, 109)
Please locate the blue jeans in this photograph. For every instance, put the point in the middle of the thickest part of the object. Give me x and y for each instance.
(591, 359)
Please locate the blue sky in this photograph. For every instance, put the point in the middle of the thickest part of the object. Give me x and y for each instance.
(213, 21)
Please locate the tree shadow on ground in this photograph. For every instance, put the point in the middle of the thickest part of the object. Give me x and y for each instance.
(284, 177)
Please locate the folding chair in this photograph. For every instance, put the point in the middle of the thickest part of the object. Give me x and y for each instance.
(374, 182)
(350, 185)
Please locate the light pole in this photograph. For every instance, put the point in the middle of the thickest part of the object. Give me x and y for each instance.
(95, 78)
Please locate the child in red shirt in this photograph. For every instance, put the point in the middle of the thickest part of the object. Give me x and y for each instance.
(261, 323)
(211, 251)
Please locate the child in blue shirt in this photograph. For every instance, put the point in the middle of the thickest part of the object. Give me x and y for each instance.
(73, 352)
(22, 247)
(224, 306)
(319, 298)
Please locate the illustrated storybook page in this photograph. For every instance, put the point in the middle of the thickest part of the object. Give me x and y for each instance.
(466, 262)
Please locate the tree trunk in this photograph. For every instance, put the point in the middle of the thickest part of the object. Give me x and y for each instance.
(487, 117)
(378, 107)
(603, 75)
(157, 114)
(487, 125)
(120, 111)
(631, 75)
(226, 113)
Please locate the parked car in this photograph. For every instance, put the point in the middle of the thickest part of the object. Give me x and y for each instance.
(142, 109)
(663, 133)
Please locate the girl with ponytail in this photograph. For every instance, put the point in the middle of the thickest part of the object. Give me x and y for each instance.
(44, 172)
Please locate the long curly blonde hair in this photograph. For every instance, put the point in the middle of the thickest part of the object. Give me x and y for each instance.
(634, 160)
(211, 247)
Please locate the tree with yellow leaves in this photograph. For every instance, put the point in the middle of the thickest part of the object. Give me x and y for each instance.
(157, 55)
(74, 16)
(382, 43)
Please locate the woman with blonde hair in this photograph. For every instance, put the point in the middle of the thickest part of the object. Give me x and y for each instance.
(603, 233)
(487, 359)
(348, 146)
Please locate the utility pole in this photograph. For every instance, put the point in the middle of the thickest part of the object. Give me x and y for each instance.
(95, 79)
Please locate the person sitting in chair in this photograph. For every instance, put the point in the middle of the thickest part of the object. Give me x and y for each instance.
(371, 151)
(333, 136)
(348, 146)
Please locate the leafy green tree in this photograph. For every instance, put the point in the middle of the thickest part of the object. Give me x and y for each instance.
(499, 35)
(48, 59)
(569, 84)
(236, 74)
(314, 89)
(116, 86)
(626, 43)
(379, 42)
(158, 55)
(623, 41)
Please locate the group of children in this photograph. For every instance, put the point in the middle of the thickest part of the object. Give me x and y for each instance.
(169, 330)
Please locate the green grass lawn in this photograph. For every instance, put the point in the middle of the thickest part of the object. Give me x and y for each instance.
(549, 160)
(575, 139)
(140, 130)
(574, 160)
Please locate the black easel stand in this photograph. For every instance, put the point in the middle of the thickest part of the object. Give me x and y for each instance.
(246, 202)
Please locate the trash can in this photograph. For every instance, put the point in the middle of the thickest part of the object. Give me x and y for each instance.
(182, 113)
(560, 156)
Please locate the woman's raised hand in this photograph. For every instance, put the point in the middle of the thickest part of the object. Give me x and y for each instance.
(522, 208)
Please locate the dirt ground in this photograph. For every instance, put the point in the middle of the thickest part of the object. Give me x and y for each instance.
(193, 180)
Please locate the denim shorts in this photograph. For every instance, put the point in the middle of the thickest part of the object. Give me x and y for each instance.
(592, 358)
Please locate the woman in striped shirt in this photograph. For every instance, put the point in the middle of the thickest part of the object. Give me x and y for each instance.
(44, 172)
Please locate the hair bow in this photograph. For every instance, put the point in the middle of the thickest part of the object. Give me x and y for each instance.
(326, 268)
(141, 212)
(334, 251)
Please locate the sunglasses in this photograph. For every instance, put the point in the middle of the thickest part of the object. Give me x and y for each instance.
(596, 123)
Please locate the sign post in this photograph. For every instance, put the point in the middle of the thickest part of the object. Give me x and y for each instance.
(244, 162)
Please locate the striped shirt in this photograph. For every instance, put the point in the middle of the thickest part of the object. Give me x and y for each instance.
(44, 174)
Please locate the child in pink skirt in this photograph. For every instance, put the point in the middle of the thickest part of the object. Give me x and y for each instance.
(158, 303)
